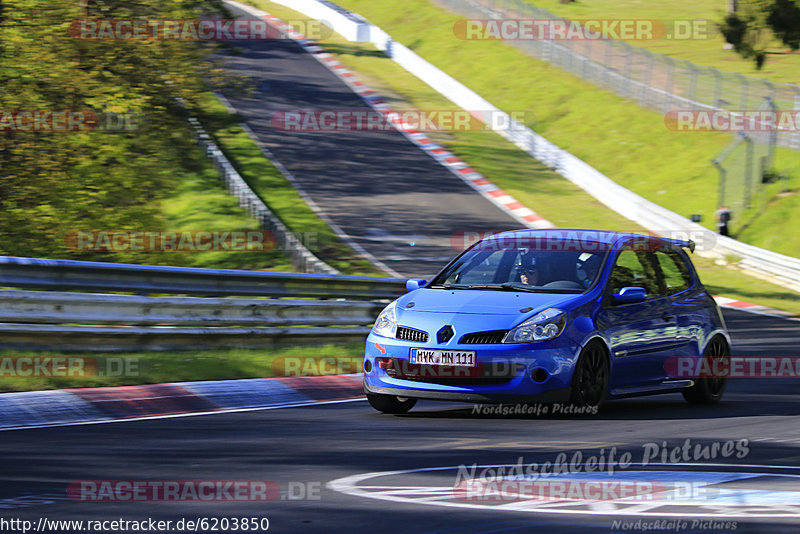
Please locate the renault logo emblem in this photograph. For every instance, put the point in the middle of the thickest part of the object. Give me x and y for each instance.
(445, 334)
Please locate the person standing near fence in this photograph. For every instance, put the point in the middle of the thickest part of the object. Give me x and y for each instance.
(723, 218)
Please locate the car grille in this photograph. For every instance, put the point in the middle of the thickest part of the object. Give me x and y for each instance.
(483, 338)
(410, 334)
(453, 376)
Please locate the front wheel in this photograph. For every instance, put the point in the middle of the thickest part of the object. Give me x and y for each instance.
(590, 378)
(709, 390)
(390, 403)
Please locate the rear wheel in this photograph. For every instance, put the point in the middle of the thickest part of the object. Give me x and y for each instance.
(590, 378)
(709, 390)
(390, 403)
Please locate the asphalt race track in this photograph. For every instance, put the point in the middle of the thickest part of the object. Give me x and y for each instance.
(388, 195)
(304, 449)
(343, 467)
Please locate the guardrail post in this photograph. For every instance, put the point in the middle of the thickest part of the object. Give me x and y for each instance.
(748, 176)
(670, 71)
(795, 144)
(723, 176)
(743, 93)
(693, 82)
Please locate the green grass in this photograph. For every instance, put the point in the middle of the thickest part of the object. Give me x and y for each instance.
(731, 283)
(276, 192)
(609, 132)
(782, 65)
(630, 144)
(201, 202)
(136, 368)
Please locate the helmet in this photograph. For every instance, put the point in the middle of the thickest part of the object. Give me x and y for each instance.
(527, 262)
(587, 267)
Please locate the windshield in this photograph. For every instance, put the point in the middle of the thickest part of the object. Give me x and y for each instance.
(523, 269)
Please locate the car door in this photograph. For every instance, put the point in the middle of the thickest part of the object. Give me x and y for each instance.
(688, 303)
(642, 334)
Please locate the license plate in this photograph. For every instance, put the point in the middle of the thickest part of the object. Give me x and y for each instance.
(459, 358)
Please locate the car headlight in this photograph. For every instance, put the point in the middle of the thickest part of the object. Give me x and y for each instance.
(544, 325)
(386, 323)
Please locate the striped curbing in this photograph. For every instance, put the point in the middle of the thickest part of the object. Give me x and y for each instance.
(74, 406)
(725, 302)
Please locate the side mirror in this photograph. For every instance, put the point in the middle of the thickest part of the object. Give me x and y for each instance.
(628, 295)
(415, 283)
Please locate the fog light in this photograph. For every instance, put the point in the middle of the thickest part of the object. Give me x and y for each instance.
(367, 366)
(539, 375)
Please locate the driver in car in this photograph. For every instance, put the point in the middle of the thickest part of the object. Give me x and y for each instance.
(528, 274)
(587, 267)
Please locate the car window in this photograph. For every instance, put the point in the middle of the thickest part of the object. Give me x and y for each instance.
(634, 269)
(533, 269)
(479, 269)
(675, 272)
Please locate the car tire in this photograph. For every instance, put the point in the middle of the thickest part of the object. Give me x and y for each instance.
(390, 403)
(710, 390)
(590, 378)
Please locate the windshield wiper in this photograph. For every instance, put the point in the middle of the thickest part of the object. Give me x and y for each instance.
(449, 286)
(518, 286)
(505, 286)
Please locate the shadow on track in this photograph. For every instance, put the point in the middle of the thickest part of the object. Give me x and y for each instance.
(762, 398)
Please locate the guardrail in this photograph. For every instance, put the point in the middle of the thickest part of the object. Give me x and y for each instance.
(60, 320)
(777, 268)
(63, 308)
(69, 275)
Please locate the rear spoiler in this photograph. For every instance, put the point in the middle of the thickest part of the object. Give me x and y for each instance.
(682, 243)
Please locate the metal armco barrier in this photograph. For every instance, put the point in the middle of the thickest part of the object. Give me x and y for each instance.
(69, 275)
(320, 308)
(21, 336)
(90, 308)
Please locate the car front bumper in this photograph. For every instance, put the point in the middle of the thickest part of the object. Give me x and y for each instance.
(507, 372)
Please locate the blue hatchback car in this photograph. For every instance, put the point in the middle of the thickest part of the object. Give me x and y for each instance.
(550, 316)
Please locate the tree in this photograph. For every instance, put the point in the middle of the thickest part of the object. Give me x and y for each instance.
(745, 29)
(784, 19)
(52, 182)
(753, 23)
